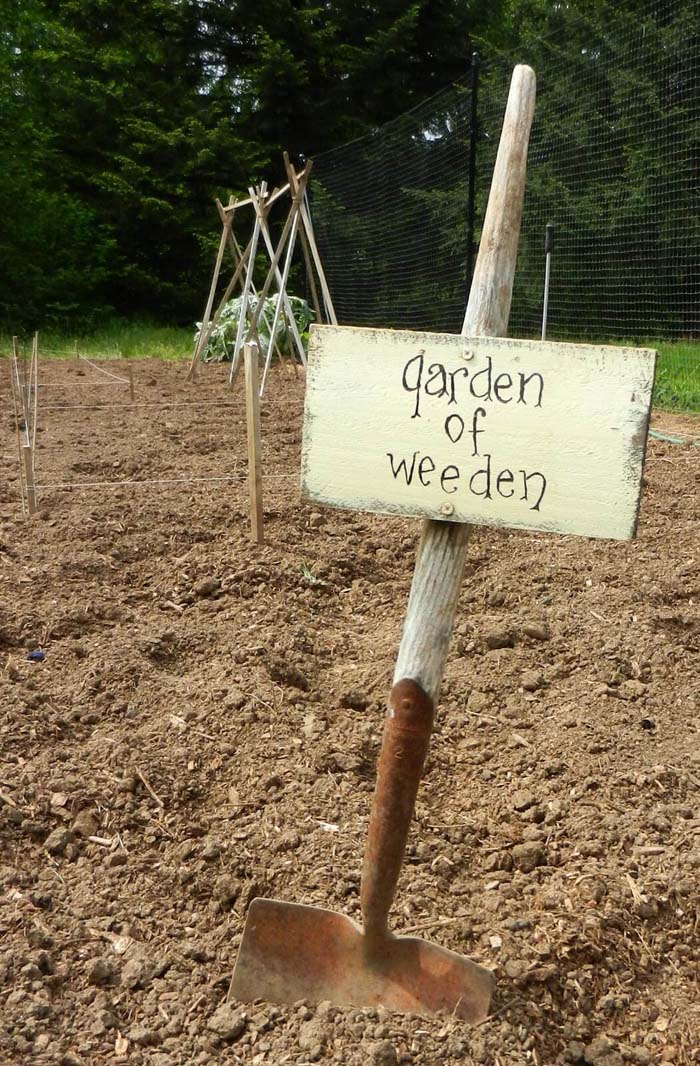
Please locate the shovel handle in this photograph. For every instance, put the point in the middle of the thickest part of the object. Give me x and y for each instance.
(407, 729)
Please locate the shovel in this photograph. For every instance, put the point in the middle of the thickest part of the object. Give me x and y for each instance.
(291, 952)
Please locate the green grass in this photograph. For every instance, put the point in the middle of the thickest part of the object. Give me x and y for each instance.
(677, 385)
(116, 340)
(677, 373)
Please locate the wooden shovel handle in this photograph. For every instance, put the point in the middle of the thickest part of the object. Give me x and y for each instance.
(407, 730)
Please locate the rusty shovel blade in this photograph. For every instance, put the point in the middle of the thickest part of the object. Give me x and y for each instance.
(291, 952)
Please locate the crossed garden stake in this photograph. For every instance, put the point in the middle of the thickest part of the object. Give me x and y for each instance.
(253, 309)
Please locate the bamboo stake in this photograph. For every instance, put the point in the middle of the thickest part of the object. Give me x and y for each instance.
(275, 196)
(442, 551)
(227, 292)
(236, 252)
(309, 230)
(132, 391)
(14, 380)
(21, 382)
(288, 235)
(35, 387)
(212, 292)
(31, 393)
(274, 267)
(242, 317)
(305, 249)
(252, 398)
(280, 300)
(28, 460)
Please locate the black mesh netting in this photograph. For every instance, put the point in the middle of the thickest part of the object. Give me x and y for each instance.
(614, 164)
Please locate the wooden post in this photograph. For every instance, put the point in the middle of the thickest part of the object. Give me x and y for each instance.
(441, 554)
(132, 392)
(213, 322)
(252, 403)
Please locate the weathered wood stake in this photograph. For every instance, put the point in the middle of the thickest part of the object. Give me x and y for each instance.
(442, 550)
(252, 401)
(16, 403)
(28, 460)
(201, 340)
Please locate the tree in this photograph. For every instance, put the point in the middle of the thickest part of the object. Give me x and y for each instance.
(121, 120)
(108, 110)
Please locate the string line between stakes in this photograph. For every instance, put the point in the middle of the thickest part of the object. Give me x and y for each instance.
(157, 481)
(130, 406)
(100, 370)
(81, 384)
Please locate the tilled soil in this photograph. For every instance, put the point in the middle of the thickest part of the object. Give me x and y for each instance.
(204, 725)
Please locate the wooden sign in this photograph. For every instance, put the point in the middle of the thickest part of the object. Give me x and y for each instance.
(524, 434)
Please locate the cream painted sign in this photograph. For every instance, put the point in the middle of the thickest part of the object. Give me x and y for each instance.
(525, 434)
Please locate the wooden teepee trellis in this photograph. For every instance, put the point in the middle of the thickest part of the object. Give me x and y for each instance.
(253, 302)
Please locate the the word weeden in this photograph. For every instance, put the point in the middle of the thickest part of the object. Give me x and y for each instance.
(460, 388)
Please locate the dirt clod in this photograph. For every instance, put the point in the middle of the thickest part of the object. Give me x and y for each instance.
(383, 1053)
(102, 971)
(57, 841)
(528, 856)
(536, 630)
(499, 638)
(227, 1023)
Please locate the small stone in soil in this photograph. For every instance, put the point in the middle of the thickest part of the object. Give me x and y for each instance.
(139, 1034)
(85, 824)
(527, 856)
(226, 889)
(523, 799)
(228, 1024)
(137, 972)
(537, 630)
(600, 1052)
(631, 690)
(499, 638)
(354, 701)
(312, 1035)
(532, 680)
(207, 587)
(102, 972)
(57, 841)
(383, 1054)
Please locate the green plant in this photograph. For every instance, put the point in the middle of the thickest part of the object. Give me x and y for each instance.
(219, 347)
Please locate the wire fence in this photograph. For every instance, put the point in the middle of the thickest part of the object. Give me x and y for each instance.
(613, 164)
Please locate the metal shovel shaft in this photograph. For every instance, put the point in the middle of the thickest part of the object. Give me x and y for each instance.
(407, 728)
